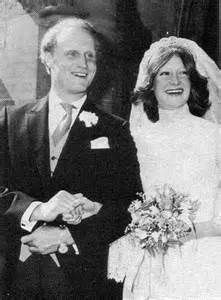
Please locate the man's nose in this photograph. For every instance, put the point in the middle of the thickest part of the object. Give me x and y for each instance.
(175, 79)
(83, 60)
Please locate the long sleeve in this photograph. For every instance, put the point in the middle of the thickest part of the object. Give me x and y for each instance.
(217, 203)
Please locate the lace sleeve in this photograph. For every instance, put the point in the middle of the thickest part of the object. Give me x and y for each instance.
(217, 203)
(218, 151)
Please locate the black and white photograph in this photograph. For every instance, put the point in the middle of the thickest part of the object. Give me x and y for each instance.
(110, 150)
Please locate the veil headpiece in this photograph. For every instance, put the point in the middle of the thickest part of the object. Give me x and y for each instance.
(204, 65)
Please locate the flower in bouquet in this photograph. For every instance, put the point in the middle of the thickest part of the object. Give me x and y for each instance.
(162, 218)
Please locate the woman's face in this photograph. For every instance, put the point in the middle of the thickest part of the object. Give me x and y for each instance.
(172, 84)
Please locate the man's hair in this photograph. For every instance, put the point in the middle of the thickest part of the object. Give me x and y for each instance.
(105, 58)
(198, 101)
(49, 41)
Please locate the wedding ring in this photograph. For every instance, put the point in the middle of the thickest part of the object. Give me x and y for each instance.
(62, 248)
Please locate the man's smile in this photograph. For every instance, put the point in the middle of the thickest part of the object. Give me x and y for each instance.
(80, 74)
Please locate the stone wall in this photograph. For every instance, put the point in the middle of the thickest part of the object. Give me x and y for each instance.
(18, 53)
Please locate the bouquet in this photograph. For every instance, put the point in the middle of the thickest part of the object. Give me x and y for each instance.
(162, 219)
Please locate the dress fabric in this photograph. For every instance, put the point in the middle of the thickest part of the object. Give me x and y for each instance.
(180, 150)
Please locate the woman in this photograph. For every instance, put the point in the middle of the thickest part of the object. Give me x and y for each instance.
(177, 84)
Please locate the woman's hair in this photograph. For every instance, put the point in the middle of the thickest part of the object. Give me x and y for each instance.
(198, 101)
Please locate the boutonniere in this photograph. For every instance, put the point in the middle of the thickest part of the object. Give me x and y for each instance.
(88, 118)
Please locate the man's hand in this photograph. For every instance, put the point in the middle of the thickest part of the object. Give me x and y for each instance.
(63, 202)
(47, 239)
(84, 208)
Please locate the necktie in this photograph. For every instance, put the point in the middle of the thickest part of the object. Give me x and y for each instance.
(64, 125)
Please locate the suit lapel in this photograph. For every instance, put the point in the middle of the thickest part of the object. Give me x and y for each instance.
(39, 139)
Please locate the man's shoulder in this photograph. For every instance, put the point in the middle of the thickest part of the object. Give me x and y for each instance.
(16, 111)
(29, 106)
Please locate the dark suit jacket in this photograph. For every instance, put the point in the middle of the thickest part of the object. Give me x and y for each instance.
(109, 176)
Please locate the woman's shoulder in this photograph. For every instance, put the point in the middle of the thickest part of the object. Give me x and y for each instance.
(205, 124)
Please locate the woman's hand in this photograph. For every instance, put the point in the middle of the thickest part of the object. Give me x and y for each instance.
(84, 208)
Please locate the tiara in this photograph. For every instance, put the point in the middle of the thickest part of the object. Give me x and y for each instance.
(172, 42)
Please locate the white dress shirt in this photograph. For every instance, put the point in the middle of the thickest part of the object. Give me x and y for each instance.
(56, 114)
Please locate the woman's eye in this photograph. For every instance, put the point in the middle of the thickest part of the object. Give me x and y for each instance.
(183, 73)
(164, 73)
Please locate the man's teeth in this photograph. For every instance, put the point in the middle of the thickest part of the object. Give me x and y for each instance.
(80, 74)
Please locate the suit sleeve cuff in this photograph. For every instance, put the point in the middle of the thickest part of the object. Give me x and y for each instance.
(26, 224)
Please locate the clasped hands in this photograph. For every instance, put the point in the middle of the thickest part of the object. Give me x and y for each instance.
(72, 208)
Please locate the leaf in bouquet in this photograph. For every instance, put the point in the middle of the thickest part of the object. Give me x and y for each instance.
(194, 207)
(151, 251)
(144, 198)
(134, 206)
(168, 191)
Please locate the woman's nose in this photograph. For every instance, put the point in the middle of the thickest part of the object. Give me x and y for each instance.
(175, 79)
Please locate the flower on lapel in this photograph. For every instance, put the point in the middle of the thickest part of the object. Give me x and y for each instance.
(88, 118)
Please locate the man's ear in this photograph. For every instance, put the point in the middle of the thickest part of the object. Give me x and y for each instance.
(49, 61)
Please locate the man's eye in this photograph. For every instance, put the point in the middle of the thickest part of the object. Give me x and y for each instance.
(72, 53)
(90, 56)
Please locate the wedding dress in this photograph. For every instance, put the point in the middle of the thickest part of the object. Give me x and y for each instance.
(183, 151)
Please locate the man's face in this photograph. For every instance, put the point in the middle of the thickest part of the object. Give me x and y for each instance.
(172, 84)
(73, 62)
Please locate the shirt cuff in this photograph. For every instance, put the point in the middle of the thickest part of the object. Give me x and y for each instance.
(26, 224)
(75, 247)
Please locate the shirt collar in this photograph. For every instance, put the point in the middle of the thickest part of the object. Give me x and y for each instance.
(54, 102)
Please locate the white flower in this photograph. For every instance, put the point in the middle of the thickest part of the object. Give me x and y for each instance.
(142, 234)
(166, 214)
(136, 217)
(154, 210)
(134, 206)
(164, 239)
(155, 235)
(88, 118)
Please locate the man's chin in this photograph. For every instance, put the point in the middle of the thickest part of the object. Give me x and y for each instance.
(80, 88)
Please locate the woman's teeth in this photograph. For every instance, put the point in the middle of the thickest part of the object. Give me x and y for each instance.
(174, 91)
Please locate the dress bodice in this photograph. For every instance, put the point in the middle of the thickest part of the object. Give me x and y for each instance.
(180, 150)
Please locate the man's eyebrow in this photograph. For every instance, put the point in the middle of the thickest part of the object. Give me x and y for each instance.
(69, 51)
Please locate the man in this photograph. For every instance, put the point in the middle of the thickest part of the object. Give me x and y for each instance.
(59, 153)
